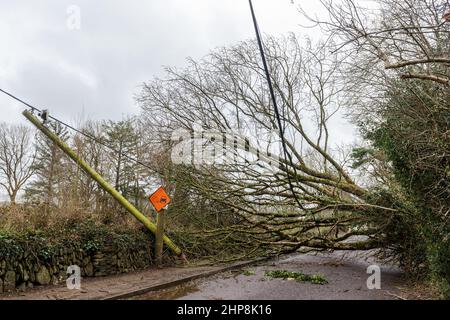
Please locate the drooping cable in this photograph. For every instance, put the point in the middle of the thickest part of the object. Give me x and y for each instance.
(85, 134)
(287, 155)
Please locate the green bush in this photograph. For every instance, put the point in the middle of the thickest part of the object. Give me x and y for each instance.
(298, 276)
(411, 130)
(87, 237)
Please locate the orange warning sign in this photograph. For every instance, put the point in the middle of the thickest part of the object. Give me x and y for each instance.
(159, 199)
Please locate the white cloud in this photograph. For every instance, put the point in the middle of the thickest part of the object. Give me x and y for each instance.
(97, 69)
(85, 76)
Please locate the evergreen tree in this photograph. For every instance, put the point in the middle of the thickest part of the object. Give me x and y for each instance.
(49, 168)
(123, 136)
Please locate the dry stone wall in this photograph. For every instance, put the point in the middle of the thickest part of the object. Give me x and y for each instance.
(41, 259)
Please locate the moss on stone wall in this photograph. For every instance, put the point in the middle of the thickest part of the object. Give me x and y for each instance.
(42, 258)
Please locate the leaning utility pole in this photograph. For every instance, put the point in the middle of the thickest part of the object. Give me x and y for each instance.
(102, 182)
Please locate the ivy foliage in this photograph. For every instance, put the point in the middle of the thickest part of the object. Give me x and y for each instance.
(88, 237)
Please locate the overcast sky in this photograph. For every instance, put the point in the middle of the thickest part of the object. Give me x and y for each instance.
(93, 72)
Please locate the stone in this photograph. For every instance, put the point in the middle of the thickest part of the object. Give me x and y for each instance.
(98, 256)
(2, 268)
(86, 261)
(32, 276)
(89, 270)
(9, 283)
(62, 274)
(43, 276)
(22, 287)
(26, 276)
(20, 273)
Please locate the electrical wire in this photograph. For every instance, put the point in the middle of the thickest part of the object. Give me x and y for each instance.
(86, 135)
(287, 155)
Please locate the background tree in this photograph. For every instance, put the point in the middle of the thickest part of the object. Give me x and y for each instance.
(85, 191)
(16, 158)
(49, 168)
(123, 136)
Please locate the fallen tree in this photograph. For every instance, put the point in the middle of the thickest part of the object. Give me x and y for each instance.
(225, 93)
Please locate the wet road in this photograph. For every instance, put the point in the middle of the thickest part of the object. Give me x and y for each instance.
(346, 274)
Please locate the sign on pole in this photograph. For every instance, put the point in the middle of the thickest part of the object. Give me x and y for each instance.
(159, 199)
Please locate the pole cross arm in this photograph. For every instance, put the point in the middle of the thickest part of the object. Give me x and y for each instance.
(99, 179)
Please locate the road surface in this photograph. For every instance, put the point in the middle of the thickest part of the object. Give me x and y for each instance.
(346, 274)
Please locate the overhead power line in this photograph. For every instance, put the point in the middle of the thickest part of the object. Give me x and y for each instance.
(286, 153)
(85, 134)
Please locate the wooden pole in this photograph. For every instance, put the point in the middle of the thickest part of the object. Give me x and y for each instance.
(160, 222)
(102, 182)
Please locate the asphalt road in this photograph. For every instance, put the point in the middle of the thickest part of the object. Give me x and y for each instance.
(346, 274)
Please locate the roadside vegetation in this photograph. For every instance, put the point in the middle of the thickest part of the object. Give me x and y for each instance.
(297, 276)
(385, 70)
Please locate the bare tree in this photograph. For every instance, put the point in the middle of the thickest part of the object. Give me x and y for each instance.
(398, 64)
(409, 38)
(225, 91)
(16, 158)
